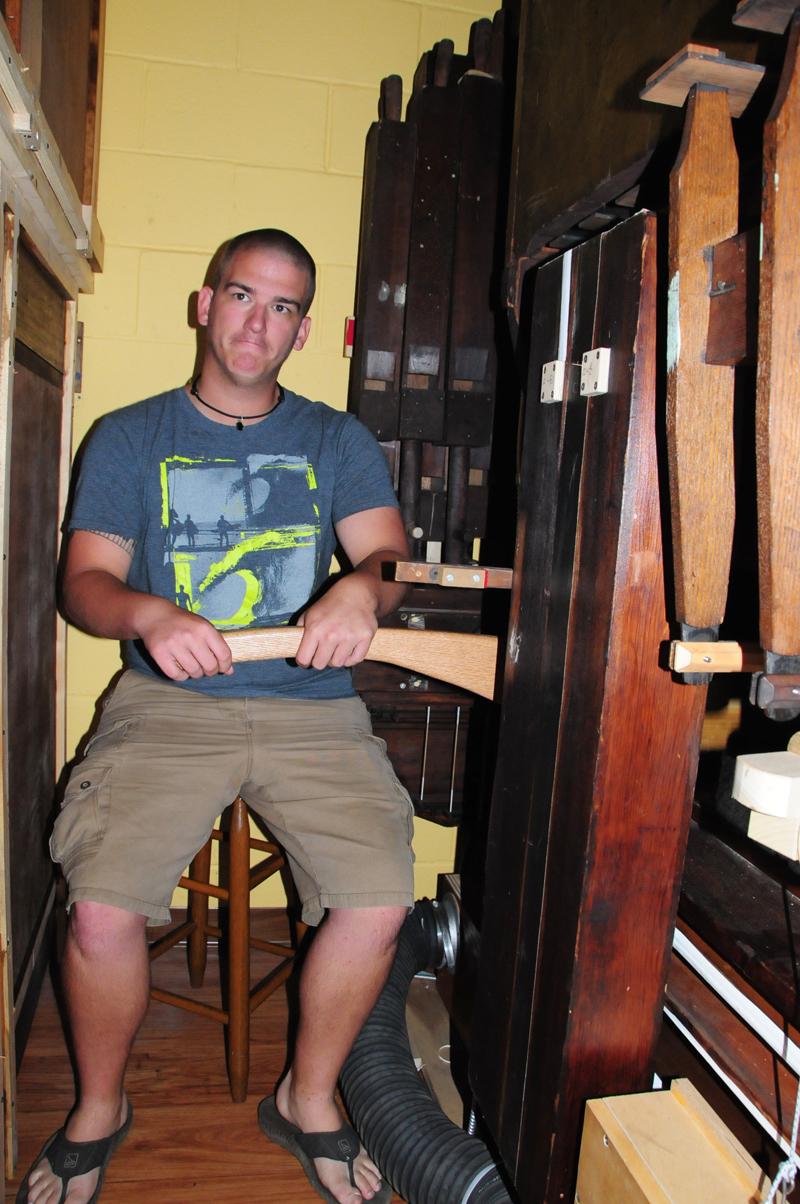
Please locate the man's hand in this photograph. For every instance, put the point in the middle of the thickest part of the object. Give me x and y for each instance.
(182, 644)
(338, 630)
(99, 600)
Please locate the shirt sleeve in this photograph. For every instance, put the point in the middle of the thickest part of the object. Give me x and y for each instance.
(107, 494)
(362, 474)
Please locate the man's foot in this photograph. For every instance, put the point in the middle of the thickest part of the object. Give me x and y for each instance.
(322, 1117)
(76, 1155)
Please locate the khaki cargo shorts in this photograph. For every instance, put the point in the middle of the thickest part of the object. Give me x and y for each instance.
(166, 761)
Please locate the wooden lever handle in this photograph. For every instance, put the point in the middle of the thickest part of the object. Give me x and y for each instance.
(466, 661)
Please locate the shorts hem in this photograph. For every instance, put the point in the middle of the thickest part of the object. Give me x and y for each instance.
(155, 914)
(314, 907)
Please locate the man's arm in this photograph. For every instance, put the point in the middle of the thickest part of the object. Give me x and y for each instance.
(98, 599)
(340, 626)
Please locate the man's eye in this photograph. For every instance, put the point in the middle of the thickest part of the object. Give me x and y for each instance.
(240, 296)
(281, 308)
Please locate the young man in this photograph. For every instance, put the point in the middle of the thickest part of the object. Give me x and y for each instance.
(184, 732)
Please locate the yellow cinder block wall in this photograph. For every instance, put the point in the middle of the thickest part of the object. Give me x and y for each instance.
(220, 118)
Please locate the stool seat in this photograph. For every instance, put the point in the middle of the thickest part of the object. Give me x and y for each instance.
(239, 997)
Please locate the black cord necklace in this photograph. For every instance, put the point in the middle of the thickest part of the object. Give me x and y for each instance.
(242, 418)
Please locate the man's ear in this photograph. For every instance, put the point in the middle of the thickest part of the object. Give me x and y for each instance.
(204, 304)
(302, 334)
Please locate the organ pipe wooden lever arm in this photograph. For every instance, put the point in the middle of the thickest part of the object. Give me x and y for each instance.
(717, 656)
(703, 210)
(461, 576)
(466, 661)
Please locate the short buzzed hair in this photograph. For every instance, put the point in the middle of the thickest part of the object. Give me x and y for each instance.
(267, 239)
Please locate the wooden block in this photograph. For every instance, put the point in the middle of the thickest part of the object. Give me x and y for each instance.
(670, 85)
(663, 1147)
(771, 15)
(733, 308)
(769, 783)
(774, 832)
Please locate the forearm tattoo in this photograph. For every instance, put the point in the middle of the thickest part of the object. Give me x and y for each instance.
(127, 545)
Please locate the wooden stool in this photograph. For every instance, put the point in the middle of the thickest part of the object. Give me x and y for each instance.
(241, 999)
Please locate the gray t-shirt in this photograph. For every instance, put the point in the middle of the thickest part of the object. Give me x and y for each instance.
(236, 526)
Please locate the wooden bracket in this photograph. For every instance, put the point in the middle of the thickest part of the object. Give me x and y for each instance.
(733, 309)
(670, 85)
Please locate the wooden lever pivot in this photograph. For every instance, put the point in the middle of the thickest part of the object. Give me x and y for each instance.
(466, 661)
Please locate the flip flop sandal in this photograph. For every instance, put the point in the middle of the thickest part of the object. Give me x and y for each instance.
(342, 1145)
(69, 1159)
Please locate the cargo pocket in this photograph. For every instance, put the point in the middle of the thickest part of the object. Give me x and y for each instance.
(84, 813)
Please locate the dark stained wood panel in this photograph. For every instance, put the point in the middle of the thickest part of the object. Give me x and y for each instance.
(591, 800)
(41, 310)
(66, 47)
(595, 61)
(33, 531)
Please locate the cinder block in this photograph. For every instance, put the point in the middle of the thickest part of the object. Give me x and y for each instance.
(124, 84)
(319, 377)
(337, 302)
(235, 116)
(323, 211)
(357, 41)
(118, 372)
(182, 31)
(159, 201)
(168, 285)
(110, 311)
(352, 112)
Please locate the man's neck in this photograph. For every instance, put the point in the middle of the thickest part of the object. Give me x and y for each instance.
(226, 402)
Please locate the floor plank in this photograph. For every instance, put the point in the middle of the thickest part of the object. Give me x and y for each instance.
(190, 1143)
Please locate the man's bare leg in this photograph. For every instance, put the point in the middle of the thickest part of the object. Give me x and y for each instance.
(105, 973)
(344, 972)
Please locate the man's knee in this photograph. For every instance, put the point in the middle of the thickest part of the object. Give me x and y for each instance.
(97, 929)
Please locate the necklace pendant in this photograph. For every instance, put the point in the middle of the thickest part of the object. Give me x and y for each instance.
(240, 425)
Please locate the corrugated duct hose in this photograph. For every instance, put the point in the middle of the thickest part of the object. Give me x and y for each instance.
(426, 1158)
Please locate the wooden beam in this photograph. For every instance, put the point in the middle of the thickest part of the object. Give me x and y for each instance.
(732, 336)
(717, 656)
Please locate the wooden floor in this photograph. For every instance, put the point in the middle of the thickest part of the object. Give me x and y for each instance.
(190, 1144)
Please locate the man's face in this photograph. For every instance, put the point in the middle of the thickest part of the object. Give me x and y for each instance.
(254, 316)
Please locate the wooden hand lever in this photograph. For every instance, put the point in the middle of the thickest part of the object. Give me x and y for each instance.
(466, 661)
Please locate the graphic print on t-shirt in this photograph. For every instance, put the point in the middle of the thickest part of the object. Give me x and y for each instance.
(241, 535)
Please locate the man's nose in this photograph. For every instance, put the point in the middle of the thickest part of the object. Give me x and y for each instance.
(256, 317)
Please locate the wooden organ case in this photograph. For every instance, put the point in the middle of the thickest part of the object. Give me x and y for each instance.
(657, 497)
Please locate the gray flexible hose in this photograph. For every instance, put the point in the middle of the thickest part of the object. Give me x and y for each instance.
(426, 1158)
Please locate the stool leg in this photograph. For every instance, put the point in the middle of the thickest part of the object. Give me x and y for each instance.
(198, 913)
(239, 952)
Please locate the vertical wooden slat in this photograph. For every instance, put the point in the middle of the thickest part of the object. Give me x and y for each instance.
(434, 110)
(375, 372)
(778, 380)
(7, 321)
